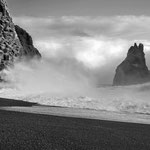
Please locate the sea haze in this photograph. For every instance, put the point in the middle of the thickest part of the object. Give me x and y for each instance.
(82, 43)
(42, 83)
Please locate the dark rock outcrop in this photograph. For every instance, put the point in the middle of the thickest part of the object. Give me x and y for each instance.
(29, 51)
(10, 46)
(13, 46)
(133, 69)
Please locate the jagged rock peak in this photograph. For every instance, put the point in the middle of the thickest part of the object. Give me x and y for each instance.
(136, 49)
(133, 69)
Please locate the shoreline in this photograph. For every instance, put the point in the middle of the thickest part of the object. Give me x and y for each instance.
(81, 113)
(22, 130)
(19, 131)
(35, 108)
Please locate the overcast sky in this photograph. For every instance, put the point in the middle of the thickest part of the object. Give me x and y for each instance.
(79, 7)
(94, 33)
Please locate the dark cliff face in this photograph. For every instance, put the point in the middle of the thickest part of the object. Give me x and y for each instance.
(13, 46)
(133, 69)
(10, 46)
(29, 51)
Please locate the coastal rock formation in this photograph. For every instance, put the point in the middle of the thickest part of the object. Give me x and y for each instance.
(10, 46)
(29, 51)
(14, 41)
(133, 69)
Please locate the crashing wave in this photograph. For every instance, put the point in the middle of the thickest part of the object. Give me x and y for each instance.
(128, 99)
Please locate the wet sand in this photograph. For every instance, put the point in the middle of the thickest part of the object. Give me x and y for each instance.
(82, 113)
(25, 131)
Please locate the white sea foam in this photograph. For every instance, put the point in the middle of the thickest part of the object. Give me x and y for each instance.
(132, 99)
(119, 99)
(51, 85)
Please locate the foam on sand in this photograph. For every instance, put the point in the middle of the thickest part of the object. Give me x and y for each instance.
(83, 113)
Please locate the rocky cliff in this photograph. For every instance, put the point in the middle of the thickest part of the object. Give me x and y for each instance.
(29, 51)
(133, 69)
(12, 47)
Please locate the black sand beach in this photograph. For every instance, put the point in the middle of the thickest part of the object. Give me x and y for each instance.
(25, 131)
(4, 102)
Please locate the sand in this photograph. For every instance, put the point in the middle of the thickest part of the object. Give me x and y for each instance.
(82, 113)
(37, 127)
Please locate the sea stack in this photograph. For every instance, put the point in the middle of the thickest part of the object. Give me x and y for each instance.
(13, 45)
(133, 69)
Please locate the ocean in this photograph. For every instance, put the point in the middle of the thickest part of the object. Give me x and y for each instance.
(133, 99)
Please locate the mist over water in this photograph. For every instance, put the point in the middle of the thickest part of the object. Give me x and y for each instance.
(80, 55)
(57, 84)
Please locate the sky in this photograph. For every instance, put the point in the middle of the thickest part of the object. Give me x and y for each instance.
(44, 8)
(90, 37)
